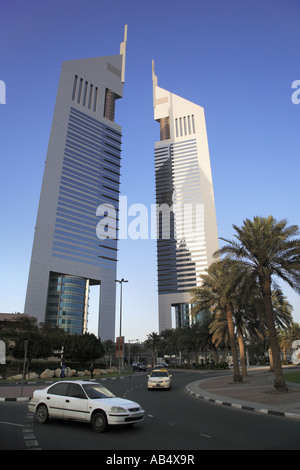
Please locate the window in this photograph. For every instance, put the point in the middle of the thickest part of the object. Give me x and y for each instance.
(95, 99)
(74, 87)
(76, 391)
(84, 93)
(59, 389)
(97, 391)
(79, 91)
(159, 374)
(90, 96)
(185, 125)
(189, 124)
(193, 124)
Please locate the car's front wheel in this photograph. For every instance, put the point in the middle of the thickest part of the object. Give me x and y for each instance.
(41, 414)
(99, 421)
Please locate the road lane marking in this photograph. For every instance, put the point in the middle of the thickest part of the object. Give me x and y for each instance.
(28, 434)
(12, 424)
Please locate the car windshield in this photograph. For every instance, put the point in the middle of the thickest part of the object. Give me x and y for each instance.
(97, 391)
(159, 373)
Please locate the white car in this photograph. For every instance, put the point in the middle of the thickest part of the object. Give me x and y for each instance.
(159, 378)
(84, 401)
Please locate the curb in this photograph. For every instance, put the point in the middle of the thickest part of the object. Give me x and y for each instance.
(15, 399)
(217, 401)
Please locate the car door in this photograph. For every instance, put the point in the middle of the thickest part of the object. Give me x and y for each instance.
(76, 403)
(55, 399)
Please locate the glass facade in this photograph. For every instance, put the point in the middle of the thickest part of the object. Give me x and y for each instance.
(90, 177)
(67, 302)
(184, 317)
(182, 256)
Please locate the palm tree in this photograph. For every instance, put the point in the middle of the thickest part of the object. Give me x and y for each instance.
(206, 339)
(250, 318)
(288, 336)
(270, 249)
(218, 329)
(241, 319)
(282, 310)
(169, 342)
(198, 339)
(240, 322)
(153, 342)
(217, 293)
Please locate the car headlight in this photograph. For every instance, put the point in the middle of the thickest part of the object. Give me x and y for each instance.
(117, 409)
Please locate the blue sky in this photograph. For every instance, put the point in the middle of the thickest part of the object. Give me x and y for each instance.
(236, 58)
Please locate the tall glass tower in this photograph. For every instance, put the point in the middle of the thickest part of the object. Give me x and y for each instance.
(186, 220)
(82, 172)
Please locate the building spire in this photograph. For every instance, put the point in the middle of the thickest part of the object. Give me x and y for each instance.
(154, 81)
(123, 53)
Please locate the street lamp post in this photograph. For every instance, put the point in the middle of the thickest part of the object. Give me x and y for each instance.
(120, 282)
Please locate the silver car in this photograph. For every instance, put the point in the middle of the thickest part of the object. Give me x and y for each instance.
(84, 401)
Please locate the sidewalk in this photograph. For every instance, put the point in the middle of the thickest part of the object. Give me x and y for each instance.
(257, 393)
(12, 392)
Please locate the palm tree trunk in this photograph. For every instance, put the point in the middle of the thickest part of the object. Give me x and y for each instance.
(265, 283)
(215, 354)
(284, 354)
(242, 354)
(271, 360)
(197, 357)
(236, 370)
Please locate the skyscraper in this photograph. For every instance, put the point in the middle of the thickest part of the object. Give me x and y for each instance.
(82, 172)
(187, 233)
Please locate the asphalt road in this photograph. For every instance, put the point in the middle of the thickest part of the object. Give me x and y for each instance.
(175, 421)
